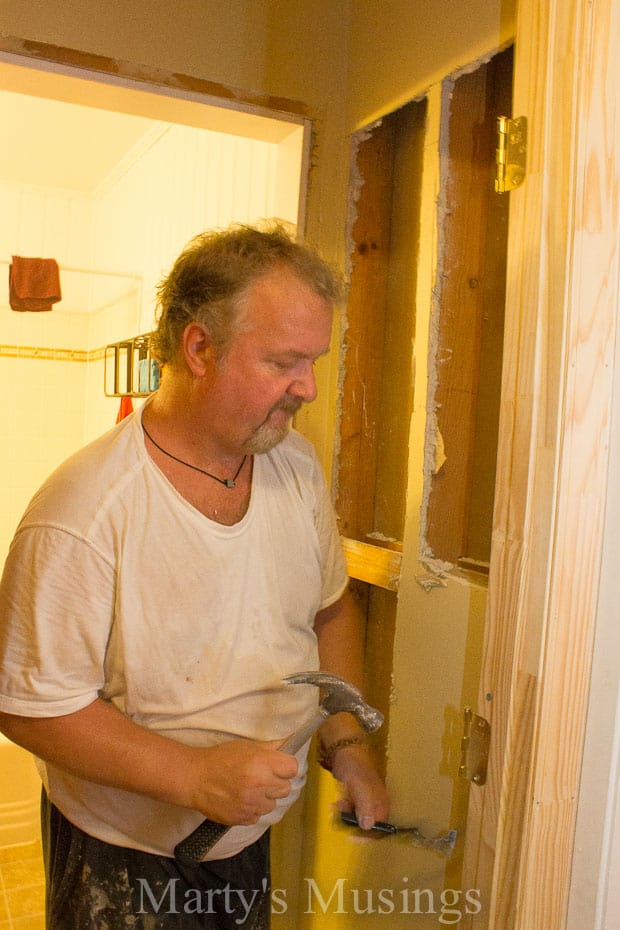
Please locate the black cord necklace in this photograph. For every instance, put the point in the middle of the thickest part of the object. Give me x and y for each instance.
(227, 482)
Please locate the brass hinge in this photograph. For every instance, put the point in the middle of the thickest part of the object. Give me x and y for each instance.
(511, 153)
(474, 747)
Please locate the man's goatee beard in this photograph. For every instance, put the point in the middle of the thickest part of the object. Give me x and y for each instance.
(267, 436)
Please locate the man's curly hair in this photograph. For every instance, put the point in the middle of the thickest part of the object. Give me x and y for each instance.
(213, 273)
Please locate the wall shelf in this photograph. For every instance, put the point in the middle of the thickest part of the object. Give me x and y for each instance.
(129, 368)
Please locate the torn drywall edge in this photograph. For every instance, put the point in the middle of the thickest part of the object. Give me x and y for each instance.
(356, 182)
(477, 63)
(432, 427)
(429, 581)
(381, 537)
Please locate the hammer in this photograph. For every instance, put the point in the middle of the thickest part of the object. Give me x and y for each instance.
(339, 697)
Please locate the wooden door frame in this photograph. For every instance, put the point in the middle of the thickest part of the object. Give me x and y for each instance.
(561, 323)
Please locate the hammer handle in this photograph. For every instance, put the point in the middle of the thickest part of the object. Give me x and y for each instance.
(300, 737)
(194, 847)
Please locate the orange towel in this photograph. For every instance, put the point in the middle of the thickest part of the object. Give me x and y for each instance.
(125, 408)
(34, 283)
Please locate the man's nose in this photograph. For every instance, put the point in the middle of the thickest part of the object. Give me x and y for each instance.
(304, 384)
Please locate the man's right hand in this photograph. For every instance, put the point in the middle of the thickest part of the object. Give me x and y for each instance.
(239, 781)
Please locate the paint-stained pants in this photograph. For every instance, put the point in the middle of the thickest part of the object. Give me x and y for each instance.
(92, 885)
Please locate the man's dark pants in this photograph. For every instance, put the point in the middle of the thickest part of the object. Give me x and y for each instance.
(92, 885)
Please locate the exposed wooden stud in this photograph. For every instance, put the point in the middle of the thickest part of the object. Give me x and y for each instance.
(364, 336)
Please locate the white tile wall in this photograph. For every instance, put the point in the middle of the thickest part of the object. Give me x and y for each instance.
(41, 424)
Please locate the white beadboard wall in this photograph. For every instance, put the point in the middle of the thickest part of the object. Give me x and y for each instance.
(185, 181)
(177, 182)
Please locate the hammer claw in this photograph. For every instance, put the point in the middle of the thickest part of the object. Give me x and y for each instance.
(340, 697)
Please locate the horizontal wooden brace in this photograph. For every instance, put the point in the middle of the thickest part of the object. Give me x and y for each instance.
(374, 564)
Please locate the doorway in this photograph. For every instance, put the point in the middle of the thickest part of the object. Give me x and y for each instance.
(111, 177)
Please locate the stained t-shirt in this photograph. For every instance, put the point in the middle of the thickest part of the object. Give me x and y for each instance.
(116, 587)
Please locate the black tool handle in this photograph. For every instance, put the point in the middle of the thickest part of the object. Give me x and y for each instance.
(380, 825)
(192, 849)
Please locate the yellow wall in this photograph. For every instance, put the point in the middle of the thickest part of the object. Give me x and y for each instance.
(224, 42)
(422, 42)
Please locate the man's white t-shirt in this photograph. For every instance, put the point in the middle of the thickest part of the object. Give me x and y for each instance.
(116, 587)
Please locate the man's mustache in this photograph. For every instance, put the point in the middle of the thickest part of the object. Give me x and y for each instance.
(288, 404)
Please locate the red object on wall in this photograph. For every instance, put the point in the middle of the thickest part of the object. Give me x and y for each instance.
(34, 283)
(125, 409)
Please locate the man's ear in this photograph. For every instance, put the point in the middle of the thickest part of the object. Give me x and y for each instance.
(198, 349)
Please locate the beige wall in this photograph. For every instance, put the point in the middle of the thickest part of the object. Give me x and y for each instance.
(224, 42)
(422, 43)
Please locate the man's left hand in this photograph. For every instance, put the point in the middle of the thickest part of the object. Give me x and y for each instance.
(363, 789)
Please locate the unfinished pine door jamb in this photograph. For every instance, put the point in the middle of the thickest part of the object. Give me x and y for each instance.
(561, 321)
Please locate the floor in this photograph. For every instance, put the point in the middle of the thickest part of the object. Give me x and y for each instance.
(22, 888)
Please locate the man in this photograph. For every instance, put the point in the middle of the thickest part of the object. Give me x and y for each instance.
(160, 586)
